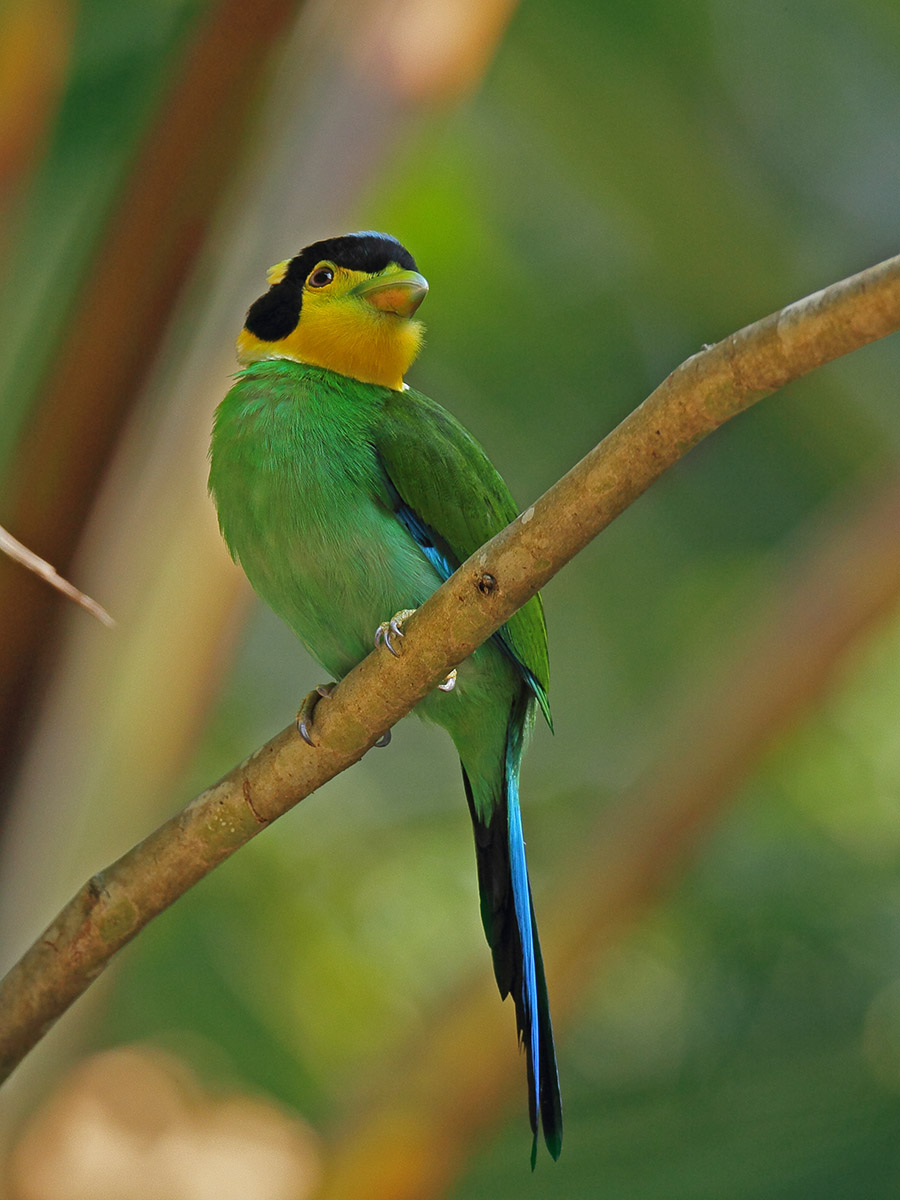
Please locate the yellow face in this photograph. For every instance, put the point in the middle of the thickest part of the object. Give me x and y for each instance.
(355, 323)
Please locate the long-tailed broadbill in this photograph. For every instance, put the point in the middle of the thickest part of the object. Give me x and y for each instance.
(348, 498)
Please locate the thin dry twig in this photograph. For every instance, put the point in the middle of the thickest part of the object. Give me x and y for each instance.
(21, 554)
(696, 399)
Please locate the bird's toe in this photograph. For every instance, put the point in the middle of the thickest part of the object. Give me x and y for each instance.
(449, 683)
(392, 629)
(305, 715)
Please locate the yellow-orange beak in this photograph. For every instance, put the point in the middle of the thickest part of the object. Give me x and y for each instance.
(394, 291)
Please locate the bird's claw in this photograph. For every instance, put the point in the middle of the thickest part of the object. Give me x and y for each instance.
(384, 740)
(388, 629)
(304, 716)
(449, 683)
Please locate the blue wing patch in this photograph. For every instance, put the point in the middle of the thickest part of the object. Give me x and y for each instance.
(429, 543)
(424, 539)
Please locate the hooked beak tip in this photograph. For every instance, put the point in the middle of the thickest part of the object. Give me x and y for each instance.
(400, 292)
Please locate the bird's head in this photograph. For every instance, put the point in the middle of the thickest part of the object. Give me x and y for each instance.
(346, 303)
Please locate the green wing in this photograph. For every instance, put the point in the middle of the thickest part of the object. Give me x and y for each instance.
(445, 489)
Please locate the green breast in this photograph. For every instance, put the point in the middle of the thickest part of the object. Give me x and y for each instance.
(297, 487)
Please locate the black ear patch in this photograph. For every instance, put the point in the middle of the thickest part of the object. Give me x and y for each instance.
(277, 313)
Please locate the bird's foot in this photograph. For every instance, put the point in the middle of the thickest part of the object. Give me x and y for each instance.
(391, 629)
(305, 715)
(449, 683)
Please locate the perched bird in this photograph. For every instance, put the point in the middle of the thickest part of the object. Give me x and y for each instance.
(348, 498)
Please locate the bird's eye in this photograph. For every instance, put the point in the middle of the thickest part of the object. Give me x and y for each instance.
(320, 277)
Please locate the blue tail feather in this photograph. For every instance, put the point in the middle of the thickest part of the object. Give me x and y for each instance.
(509, 925)
(535, 1028)
(522, 904)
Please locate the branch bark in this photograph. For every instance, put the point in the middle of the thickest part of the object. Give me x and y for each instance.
(696, 399)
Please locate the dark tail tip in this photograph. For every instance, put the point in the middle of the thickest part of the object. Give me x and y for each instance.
(553, 1138)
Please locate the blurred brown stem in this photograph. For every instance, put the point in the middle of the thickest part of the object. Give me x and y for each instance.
(35, 44)
(118, 318)
(697, 398)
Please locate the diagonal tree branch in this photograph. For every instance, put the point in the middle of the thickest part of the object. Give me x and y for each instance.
(431, 1103)
(696, 399)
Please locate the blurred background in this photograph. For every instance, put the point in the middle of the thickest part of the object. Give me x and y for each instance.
(593, 191)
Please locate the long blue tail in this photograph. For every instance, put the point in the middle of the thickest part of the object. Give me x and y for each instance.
(507, 913)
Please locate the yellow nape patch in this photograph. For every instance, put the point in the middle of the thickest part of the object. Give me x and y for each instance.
(340, 331)
(277, 273)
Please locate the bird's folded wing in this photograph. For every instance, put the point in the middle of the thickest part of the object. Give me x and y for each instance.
(451, 498)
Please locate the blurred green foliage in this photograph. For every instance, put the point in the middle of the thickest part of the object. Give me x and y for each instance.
(630, 183)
